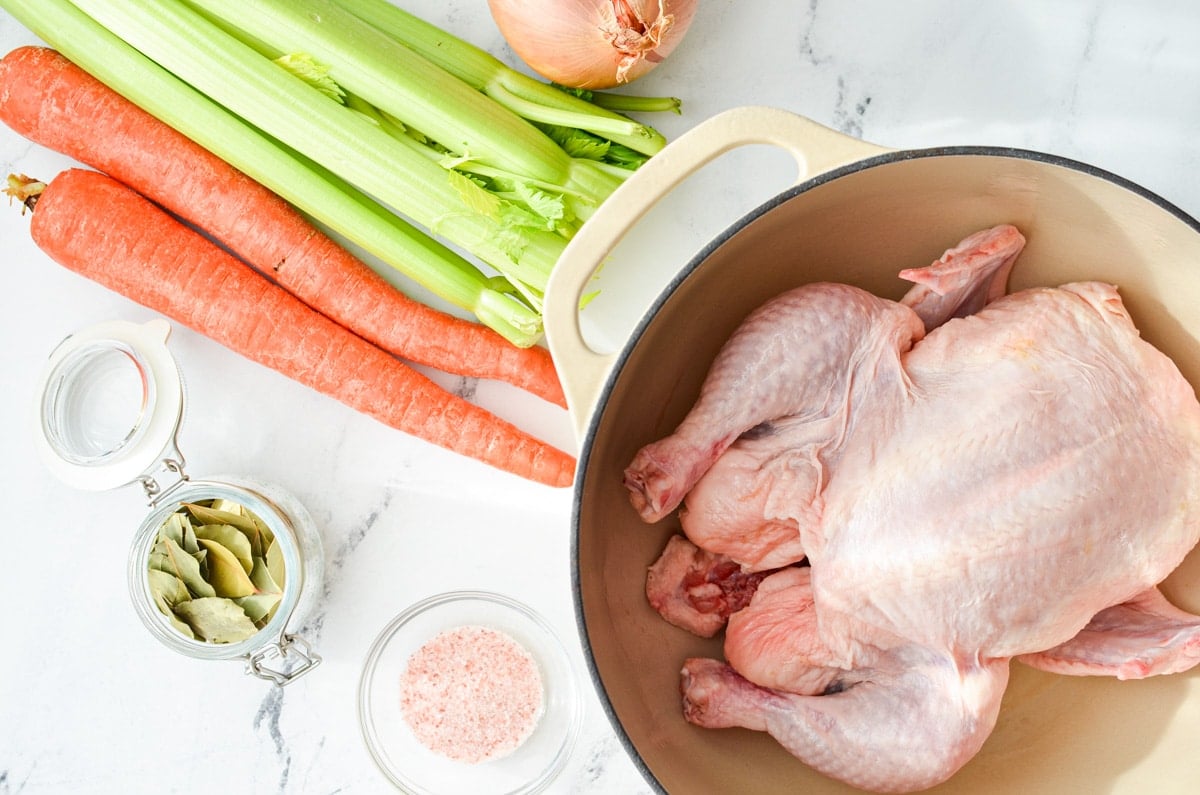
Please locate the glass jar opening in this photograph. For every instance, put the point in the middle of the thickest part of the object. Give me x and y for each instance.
(97, 403)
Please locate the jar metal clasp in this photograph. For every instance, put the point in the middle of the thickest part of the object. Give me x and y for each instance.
(166, 478)
(293, 651)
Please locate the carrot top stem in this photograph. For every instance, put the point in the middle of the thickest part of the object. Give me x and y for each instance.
(24, 189)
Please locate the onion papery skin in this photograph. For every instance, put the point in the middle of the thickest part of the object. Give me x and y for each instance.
(592, 44)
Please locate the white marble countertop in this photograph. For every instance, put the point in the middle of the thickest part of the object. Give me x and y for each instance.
(89, 702)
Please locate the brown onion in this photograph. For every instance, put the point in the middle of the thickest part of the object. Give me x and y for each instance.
(592, 43)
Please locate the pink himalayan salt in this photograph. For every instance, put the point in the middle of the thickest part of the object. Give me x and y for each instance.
(471, 694)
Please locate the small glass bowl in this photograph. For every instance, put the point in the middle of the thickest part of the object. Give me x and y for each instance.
(416, 769)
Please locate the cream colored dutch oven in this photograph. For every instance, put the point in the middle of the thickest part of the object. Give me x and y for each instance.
(858, 214)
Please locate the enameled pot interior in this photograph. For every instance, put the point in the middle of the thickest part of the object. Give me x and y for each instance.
(861, 225)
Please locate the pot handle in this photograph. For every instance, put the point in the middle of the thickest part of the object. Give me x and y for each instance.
(815, 148)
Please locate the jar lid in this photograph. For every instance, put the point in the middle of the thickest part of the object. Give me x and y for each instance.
(111, 403)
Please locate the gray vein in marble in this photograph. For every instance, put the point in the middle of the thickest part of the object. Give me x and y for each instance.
(848, 114)
(466, 388)
(353, 539)
(848, 111)
(807, 51)
(594, 769)
(269, 713)
(10, 787)
(314, 761)
(1092, 26)
(21, 155)
(311, 630)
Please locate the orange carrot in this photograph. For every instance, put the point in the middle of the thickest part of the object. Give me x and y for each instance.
(53, 102)
(100, 228)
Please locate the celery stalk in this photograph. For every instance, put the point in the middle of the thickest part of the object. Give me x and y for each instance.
(530, 98)
(399, 81)
(627, 103)
(312, 189)
(288, 109)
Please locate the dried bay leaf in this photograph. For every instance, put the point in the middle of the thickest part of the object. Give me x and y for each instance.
(262, 538)
(229, 506)
(189, 538)
(216, 572)
(173, 528)
(275, 565)
(267, 534)
(170, 557)
(216, 620)
(179, 626)
(231, 538)
(260, 606)
(225, 572)
(168, 591)
(255, 530)
(206, 515)
(260, 575)
(257, 543)
(168, 587)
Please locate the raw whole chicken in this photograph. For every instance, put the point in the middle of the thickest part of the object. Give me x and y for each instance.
(886, 502)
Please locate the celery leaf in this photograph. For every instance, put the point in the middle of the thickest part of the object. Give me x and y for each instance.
(313, 72)
(624, 157)
(577, 143)
(533, 208)
(474, 195)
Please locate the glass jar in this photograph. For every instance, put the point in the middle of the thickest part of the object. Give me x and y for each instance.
(109, 415)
